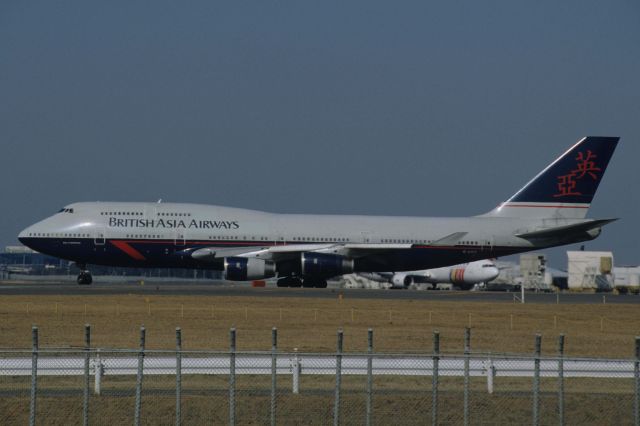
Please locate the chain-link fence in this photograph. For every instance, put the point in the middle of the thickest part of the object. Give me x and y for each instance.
(100, 386)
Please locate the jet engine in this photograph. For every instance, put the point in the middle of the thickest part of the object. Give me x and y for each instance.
(400, 280)
(243, 269)
(326, 265)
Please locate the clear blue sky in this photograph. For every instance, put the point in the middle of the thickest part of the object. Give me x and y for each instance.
(398, 108)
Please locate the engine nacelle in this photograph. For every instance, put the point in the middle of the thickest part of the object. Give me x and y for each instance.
(456, 275)
(400, 280)
(326, 265)
(244, 269)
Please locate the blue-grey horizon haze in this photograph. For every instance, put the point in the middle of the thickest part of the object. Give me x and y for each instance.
(384, 108)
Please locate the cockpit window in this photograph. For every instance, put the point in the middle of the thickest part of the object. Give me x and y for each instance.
(65, 210)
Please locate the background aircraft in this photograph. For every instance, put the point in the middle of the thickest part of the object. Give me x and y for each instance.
(463, 276)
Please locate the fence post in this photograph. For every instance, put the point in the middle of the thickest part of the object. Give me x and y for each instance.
(636, 373)
(274, 360)
(136, 419)
(491, 374)
(467, 351)
(34, 375)
(232, 376)
(561, 379)
(369, 375)
(295, 382)
(536, 382)
(336, 405)
(98, 370)
(178, 376)
(87, 354)
(434, 387)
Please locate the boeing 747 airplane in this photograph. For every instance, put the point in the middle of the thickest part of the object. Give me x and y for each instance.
(305, 250)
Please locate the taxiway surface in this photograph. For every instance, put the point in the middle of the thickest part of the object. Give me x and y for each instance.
(191, 288)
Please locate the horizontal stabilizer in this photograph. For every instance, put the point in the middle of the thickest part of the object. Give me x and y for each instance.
(565, 230)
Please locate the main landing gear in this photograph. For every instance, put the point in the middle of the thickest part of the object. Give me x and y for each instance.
(308, 282)
(85, 277)
(315, 282)
(290, 282)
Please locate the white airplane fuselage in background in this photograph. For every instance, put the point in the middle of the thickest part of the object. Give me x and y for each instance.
(307, 249)
(464, 275)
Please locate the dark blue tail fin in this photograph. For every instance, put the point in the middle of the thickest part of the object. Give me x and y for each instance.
(567, 186)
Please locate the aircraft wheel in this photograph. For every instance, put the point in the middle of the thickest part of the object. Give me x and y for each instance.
(284, 282)
(85, 278)
(289, 282)
(321, 283)
(308, 282)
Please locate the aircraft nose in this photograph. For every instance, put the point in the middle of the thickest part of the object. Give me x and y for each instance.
(493, 272)
(23, 236)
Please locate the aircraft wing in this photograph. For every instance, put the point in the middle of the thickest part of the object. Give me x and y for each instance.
(276, 253)
(212, 254)
(449, 240)
(290, 251)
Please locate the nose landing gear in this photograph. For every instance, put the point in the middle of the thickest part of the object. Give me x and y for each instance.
(85, 277)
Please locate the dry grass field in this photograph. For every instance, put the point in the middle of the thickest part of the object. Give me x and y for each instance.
(310, 324)
(407, 402)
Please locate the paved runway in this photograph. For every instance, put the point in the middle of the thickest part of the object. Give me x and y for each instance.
(219, 288)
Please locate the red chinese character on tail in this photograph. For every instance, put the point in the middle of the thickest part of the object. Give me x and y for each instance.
(567, 185)
(586, 165)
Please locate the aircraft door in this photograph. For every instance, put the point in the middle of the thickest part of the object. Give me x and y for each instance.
(487, 245)
(279, 238)
(100, 235)
(179, 239)
(366, 236)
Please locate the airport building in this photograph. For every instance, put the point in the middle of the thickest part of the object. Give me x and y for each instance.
(533, 270)
(22, 263)
(627, 276)
(590, 270)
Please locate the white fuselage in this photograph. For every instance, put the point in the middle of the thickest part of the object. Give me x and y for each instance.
(465, 275)
(161, 234)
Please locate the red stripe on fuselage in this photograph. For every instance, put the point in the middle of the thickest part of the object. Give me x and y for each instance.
(214, 243)
(125, 247)
(544, 206)
(207, 242)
